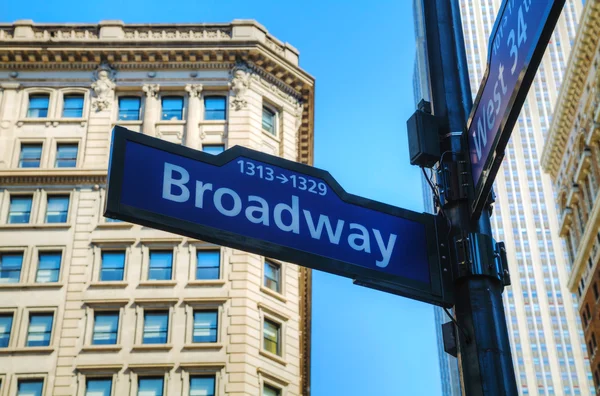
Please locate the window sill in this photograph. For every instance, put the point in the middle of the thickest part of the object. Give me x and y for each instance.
(270, 135)
(170, 122)
(203, 345)
(213, 122)
(38, 350)
(101, 348)
(108, 285)
(152, 347)
(158, 283)
(49, 285)
(129, 122)
(51, 121)
(56, 226)
(123, 224)
(273, 294)
(212, 282)
(272, 356)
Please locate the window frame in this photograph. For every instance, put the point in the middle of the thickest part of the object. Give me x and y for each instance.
(26, 322)
(268, 378)
(183, 107)
(276, 118)
(140, 109)
(100, 306)
(32, 211)
(189, 370)
(28, 377)
(60, 103)
(13, 336)
(225, 107)
(272, 315)
(99, 377)
(279, 295)
(194, 249)
(144, 305)
(85, 372)
(23, 271)
(33, 142)
(33, 94)
(36, 264)
(24, 105)
(60, 142)
(46, 201)
(162, 312)
(143, 371)
(21, 141)
(63, 97)
(148, 246)
(100, 245)
(191, 305)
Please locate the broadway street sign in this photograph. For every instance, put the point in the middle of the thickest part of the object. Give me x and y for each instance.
(517, 44)
(266, 205)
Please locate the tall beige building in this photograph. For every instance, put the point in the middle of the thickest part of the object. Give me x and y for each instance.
(546, 336)
(572, 158)
(95, 307)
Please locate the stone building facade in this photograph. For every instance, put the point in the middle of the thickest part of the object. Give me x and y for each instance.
(90, 306)
(572, 158)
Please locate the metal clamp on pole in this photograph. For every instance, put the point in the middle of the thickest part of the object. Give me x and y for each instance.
(453, 181)
(479, 254)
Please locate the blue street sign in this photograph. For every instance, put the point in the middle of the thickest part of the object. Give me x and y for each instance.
(517, 44)
(277, 208)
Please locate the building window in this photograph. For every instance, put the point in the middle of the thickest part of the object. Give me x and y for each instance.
(272, 276)
(57, 209)
(595, 289)
(271, 337)
(106, 328)
(156, 327)
(161, 263)
(6, 321)
(268, 120)
(73, 106)
(208, 264)
(20, 209)
(202, 386)
(172, 108)
(40, 329)
(205, 326)
(213, 149)
(214, 107)
(129, 108)
(66, 155)
(30, 387)
(38, 106)
(48, 267)
(150, 386)
(10, 267)
(31, 155)
(113, 266)
(98, 387)
(271, 391)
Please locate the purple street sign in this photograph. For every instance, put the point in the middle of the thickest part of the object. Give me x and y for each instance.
(517, 44)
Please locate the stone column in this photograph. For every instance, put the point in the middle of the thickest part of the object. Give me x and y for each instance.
(151, 109)
(194, 110)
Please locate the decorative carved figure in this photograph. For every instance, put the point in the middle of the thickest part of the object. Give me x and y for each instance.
(104, 87)
(239, 86)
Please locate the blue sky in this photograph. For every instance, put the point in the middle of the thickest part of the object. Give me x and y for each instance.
(364, 342)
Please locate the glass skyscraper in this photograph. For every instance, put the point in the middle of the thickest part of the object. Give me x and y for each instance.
(543, 324)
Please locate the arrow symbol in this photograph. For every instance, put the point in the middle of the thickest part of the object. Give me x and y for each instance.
(283, 178)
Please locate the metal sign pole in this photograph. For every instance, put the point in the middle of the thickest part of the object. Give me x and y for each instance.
(479, 270)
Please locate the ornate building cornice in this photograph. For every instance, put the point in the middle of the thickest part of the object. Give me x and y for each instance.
(44, 177)
(28, 46)
(573, 86)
